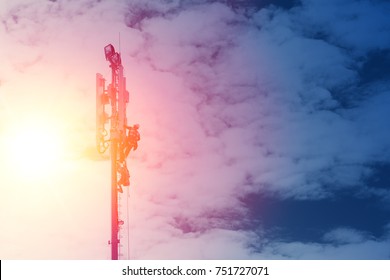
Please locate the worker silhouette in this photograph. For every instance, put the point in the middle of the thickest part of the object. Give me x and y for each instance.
(124, 179)
(131, 140)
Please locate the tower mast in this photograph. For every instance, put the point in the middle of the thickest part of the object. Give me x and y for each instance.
(122, 138)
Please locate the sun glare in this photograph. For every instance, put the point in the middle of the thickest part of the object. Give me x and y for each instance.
(33, 148)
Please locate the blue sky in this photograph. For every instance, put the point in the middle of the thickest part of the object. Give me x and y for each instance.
(264, 127)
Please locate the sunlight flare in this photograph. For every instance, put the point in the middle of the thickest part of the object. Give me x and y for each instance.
(34, 148)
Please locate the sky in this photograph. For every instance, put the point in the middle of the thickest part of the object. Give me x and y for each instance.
(264, 129)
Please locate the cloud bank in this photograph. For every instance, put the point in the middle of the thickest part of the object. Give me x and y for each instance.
(232, 101)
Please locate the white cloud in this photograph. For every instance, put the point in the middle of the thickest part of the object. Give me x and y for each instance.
(344, 236)
(367, 250)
